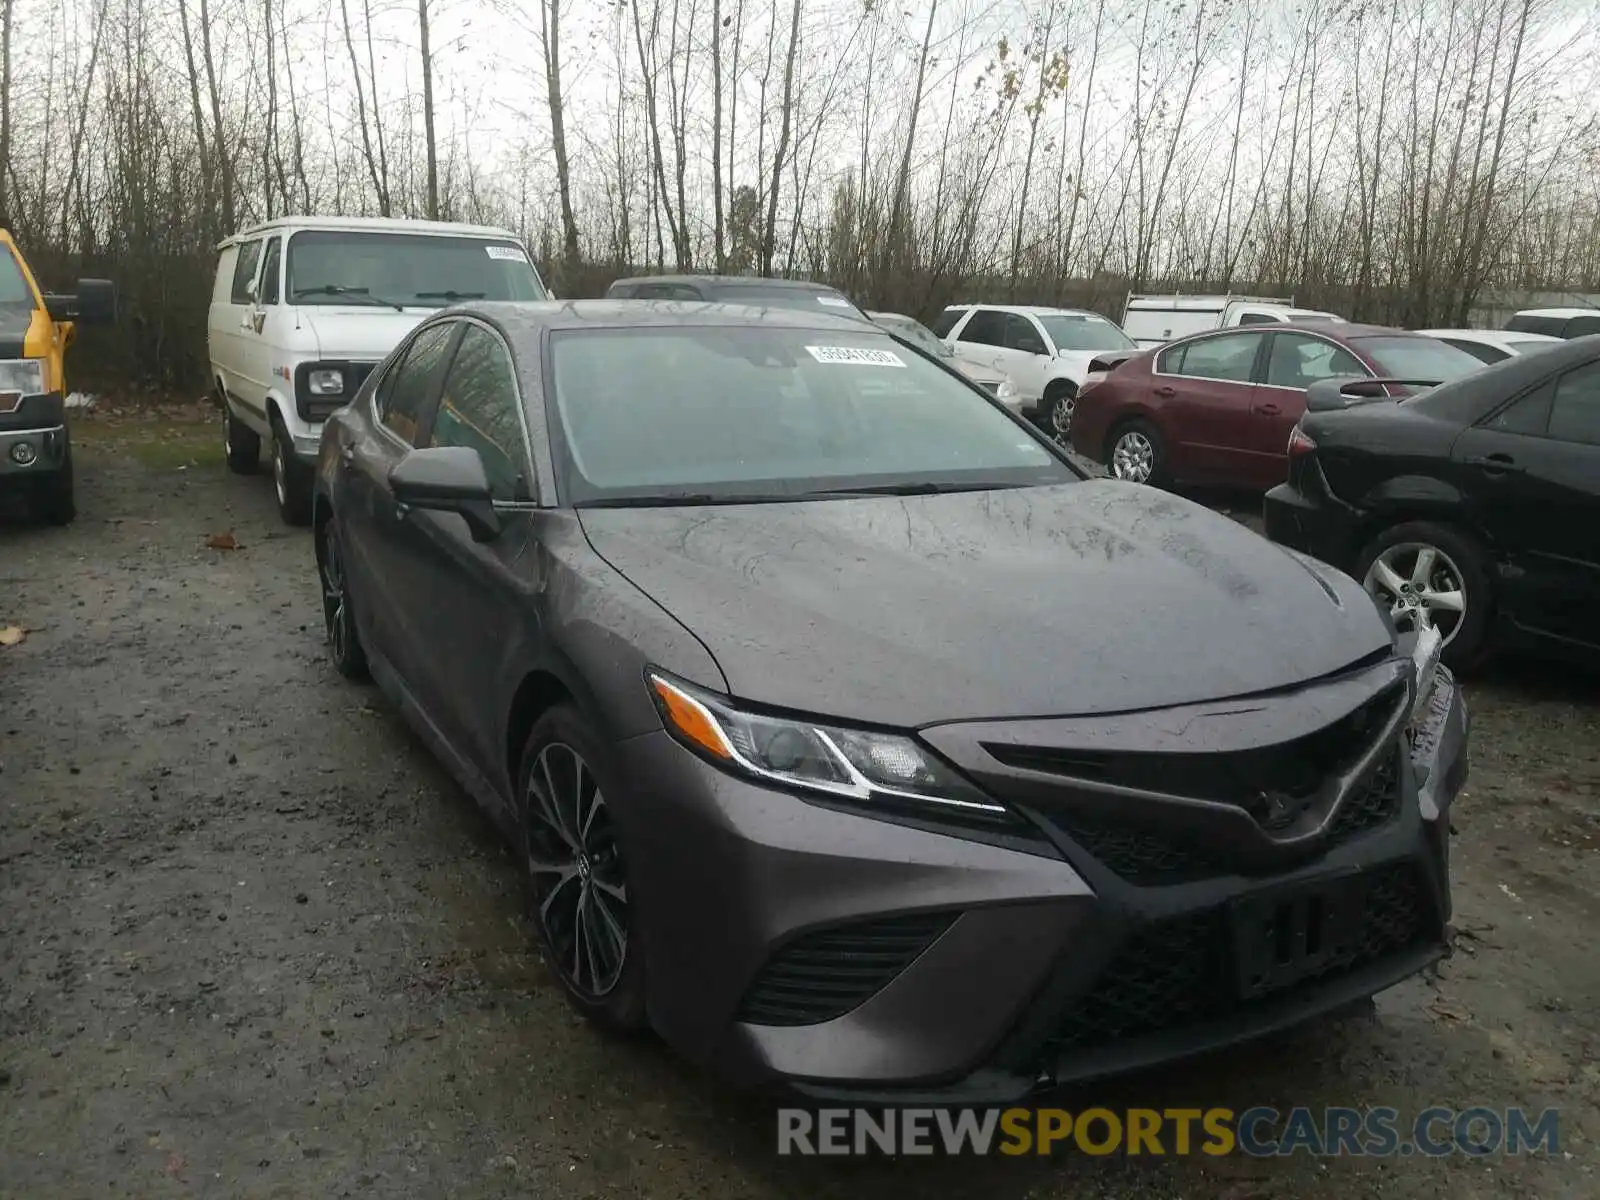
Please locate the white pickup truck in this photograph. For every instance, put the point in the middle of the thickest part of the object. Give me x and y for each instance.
(1153, 320)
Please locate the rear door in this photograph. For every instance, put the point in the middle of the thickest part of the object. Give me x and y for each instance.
(1531, 472)
(1294, 361)
(1203, 391)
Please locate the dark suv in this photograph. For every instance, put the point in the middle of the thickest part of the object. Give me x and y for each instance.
(738, 289)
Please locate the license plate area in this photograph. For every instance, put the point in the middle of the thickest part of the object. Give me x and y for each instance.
(1287, 935)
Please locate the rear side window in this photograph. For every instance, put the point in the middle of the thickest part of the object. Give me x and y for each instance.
(946, 321)
(1575, 413)
(244, 270)
(412, 381)
(1529, 416)
(987, 328)
(1298, 360)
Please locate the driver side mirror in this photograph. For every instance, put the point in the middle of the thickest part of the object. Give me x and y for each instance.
(448, 479)
(94, 303)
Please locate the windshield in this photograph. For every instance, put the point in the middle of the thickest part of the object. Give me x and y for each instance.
(14, 289)
(1418, 358)
(409, 269)
(698, 414)
(803, 299)
(1083, 331)
(916, 333)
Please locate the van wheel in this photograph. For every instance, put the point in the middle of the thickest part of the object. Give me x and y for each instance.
(53, 499)
(291, 478)
(242, 443)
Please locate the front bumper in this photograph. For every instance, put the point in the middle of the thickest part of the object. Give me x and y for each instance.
(974, 972)
(38, 423)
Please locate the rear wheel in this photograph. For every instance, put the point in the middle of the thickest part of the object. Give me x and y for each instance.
(1428, 574)
(54, 499)
(1138, 453)
(291, 478)
(242, 444)
(583, 906)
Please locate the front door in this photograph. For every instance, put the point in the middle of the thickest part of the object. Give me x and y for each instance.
(1204, 390)
(463, 593)
(1025, 357)
(240, 372)
(981, 337)
(1531, 473)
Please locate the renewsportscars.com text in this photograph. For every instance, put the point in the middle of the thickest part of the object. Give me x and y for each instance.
(1257, 1132)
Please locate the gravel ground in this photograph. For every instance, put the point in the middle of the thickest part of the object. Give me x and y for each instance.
(254, 943)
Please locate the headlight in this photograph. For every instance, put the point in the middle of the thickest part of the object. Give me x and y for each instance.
(25, 375)
(328, 381)
(850, 764)
(1006, 391)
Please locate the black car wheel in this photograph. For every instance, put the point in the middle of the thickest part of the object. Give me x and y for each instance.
(583, 906)
(1137, 453)
(54, 500)
(1061, 399)
(344, 642)
(1430, 574)
(242, 444)
(291, 478)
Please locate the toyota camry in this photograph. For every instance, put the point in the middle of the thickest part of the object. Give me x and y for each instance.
(848, 735)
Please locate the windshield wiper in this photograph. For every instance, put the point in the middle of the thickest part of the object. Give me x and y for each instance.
(355, 293)
(904, 489)
(451, 296)
(673, 499)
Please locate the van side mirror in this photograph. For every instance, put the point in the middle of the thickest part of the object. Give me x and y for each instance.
(94, 303)
(448, 479)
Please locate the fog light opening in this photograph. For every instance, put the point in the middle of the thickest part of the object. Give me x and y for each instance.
(23, 454)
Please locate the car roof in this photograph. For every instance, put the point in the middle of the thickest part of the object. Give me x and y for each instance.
(893, 316)
(1336, 330)
(1558, 312)
(1036, 310)
(727, 280)
(1492, 337)
(529, 317)
(370, 225)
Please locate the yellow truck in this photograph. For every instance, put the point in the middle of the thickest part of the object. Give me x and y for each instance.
(35, 330)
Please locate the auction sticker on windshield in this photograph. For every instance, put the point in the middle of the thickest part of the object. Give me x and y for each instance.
(856, 356)
(509, 253)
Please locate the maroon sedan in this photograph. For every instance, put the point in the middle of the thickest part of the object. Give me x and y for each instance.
(1218, 407)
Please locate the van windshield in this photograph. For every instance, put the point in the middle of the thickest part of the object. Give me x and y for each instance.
(406, 269)
(14, 289)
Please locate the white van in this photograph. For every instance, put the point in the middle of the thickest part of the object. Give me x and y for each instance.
(1153, 320)
(304, 307)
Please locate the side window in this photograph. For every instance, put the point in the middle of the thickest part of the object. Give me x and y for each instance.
(409, 384)
(1582, 326)
(1575, 413)
(946, 321)
(1230, 357)
(1170, 362)
(1479, 350)
(478, 408)
(1530, 415)
(244, 271)
(1298, 360)
(1021, 334)
(987, 328)
(1251, 318)
(270, 271)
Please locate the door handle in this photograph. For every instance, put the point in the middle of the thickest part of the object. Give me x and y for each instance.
(1269, 410)
(1166, 390)
(1494, 464)
(402, 510)
(347, 454)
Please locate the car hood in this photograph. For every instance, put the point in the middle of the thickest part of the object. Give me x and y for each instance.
(364, 333)
(1083, 598)
(979, 373)
(1074, 364)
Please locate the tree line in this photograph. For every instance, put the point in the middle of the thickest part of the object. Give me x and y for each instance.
(1391, 161)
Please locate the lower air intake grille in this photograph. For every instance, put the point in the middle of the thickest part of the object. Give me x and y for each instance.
(826, 973)
(1178, 972)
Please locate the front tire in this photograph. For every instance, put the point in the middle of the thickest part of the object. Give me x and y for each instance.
(241, 443)
(338, 615)
(1431, 574)
(1060, 402)
(54, 499)
(1138, 453)
(291, 478)
(582, 904)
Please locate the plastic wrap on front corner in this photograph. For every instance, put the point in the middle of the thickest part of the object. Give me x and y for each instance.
(1439, 747)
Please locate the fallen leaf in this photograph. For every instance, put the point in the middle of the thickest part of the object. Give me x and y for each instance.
(222, 541)
(10, 635)
(1446, 1011)
(175, 1164)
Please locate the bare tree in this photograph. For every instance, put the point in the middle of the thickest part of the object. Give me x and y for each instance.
(430, 138)
(550, 39)
(785, 122)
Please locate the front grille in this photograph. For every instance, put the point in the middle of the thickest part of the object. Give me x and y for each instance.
(1178, 972)
(826, 973)
(1372, 804)
(1139, 855)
